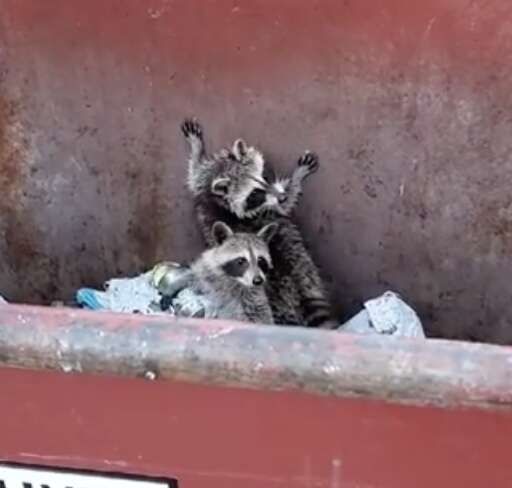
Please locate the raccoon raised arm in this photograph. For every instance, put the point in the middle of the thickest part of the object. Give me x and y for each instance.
(222, 183)
(193, 133)
(228, 165)
(283, 193)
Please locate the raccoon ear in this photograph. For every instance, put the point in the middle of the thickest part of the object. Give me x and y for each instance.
(220, 186)
(268, 232)
(239, 149)
(221, 232)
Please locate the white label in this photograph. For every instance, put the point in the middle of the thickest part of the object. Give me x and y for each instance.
(26, 477)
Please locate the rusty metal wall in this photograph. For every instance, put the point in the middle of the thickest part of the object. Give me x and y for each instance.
(408, 104)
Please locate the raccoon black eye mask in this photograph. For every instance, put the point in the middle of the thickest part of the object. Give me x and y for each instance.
(256, 199)
(236, 267)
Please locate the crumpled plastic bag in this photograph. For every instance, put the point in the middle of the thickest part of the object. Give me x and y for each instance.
(387, 314)
(143, 294)
(129, 295)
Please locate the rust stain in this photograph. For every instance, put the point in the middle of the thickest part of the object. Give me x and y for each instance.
(149, 213)
(12, 181)
(16, 225)
(10, 169)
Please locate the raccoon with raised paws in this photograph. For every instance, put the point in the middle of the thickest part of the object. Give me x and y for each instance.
(249, 197)
(226, 178)
(231, 275)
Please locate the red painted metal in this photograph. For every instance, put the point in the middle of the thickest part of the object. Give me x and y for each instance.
(212, 437)
(323, 409)
(451, 374)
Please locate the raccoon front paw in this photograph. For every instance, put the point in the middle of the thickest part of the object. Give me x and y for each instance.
(192, 128)
(309, 163)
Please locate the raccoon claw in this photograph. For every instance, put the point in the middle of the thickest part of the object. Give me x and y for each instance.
(191, 127)
(309, 161)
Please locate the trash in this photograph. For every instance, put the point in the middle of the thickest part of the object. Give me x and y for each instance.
(129, 295)
(160, 291)
(154, 292)
(166, 277)
(3, 301)
(387, 315)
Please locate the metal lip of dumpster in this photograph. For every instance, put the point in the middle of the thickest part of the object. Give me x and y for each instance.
(434, 372)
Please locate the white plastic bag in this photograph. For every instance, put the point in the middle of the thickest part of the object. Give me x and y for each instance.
(387, 314)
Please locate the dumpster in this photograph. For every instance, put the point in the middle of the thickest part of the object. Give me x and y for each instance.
(408, 106)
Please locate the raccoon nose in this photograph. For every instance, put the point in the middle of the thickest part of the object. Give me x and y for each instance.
(282, 198)
(257, 281)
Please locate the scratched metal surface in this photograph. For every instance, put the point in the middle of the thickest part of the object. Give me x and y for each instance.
(407, 103)
(410, 371)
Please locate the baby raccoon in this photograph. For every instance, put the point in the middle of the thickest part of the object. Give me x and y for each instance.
(295, 290)
(236, 185)
(226, 178)
(230, 276)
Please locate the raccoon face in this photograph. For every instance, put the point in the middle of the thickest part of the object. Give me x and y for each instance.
(243, 257)
(239, 184)
(274, 197)
(266, 190)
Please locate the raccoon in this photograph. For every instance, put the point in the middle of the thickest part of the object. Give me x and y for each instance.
(230, 276)
(252, 197)
(226, 178)
(235, 185)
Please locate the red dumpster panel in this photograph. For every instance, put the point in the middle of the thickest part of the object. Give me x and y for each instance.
(220, 437)
(239, 405)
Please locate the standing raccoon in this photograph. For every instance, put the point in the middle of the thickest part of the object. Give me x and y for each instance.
(224, 180)
(237, 187)
(230, 276)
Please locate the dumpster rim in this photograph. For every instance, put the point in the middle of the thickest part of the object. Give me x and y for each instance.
(275, 358)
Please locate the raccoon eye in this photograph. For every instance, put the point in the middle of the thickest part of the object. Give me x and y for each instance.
(241, 261)
(262, 263)
(255, 199)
